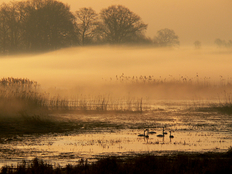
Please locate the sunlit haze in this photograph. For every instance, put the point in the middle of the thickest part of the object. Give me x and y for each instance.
(98, 65)
(191, 20)
(116, 86)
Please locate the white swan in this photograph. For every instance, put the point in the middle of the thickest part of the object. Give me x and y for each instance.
(161, 135)
(144, 134)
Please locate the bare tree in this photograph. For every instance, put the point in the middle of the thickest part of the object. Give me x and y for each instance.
(166, 38)
(120, 25)
(87, 23)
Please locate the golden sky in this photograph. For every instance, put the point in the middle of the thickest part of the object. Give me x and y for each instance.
(203, 20)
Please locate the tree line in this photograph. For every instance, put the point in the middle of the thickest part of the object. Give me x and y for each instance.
(44, 25)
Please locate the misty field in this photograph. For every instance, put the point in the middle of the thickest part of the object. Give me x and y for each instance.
(92, 103)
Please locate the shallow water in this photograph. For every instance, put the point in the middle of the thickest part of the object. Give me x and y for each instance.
(193, 131)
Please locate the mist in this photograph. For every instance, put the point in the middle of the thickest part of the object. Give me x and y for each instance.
(111, 70)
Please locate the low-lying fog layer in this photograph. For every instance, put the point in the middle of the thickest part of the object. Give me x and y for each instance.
(86, 66)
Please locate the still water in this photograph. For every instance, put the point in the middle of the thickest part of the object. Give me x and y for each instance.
(194, 130)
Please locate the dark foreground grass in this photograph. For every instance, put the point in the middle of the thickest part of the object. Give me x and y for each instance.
(176, 164)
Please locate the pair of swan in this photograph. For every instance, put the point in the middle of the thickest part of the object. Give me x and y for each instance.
(145, 134)
(164, 133)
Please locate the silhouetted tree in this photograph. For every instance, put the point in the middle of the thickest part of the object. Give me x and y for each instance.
(41, 25)
(229, 43)
(87, 23)
(197, 44)
(48, 24)
(222, 43)
(4, 28)
(10, 27)
(166, 38)
(120, 25)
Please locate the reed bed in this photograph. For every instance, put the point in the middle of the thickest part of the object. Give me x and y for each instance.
(195, 81)
(18, 96)
(26, 109)
(25, 97)
(99, 105)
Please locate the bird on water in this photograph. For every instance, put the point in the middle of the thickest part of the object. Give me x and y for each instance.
(171, 136)
(151, 132)
(144, 134)
(164, 132)
(161, 135)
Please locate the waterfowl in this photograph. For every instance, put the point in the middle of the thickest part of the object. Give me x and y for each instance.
(151, 132)
(171, 136)
(144, 134)
(164, 132)
(161, 135)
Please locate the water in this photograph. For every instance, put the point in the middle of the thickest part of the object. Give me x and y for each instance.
(117, 134)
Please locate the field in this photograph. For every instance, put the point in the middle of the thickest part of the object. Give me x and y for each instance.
(75, 111)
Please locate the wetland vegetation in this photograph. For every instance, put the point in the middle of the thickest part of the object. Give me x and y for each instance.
(28, 110)
(214, 163)
(102, 118)
(102, 82)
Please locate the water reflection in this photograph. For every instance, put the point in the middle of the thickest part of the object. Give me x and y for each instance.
(192, 131)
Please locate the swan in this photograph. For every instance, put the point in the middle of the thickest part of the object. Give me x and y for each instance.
(164, 132)
(144, 135)
(152, 132)
(171, 136)
(161, 135)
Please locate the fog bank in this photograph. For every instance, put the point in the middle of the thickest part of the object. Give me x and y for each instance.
(90, 66)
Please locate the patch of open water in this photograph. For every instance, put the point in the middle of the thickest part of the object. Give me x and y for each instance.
(193, 131)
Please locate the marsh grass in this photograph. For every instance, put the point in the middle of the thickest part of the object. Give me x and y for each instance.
(18, 95)
(223, 106)
(211, 96)
(25, 108)
(146, 163)
(25, 96)
(133, 95)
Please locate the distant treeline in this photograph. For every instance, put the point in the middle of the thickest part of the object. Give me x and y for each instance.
(44, 25)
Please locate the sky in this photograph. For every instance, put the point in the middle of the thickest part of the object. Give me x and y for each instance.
(203, 20)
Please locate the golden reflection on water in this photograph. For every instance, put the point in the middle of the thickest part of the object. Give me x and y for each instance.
(89, 145)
